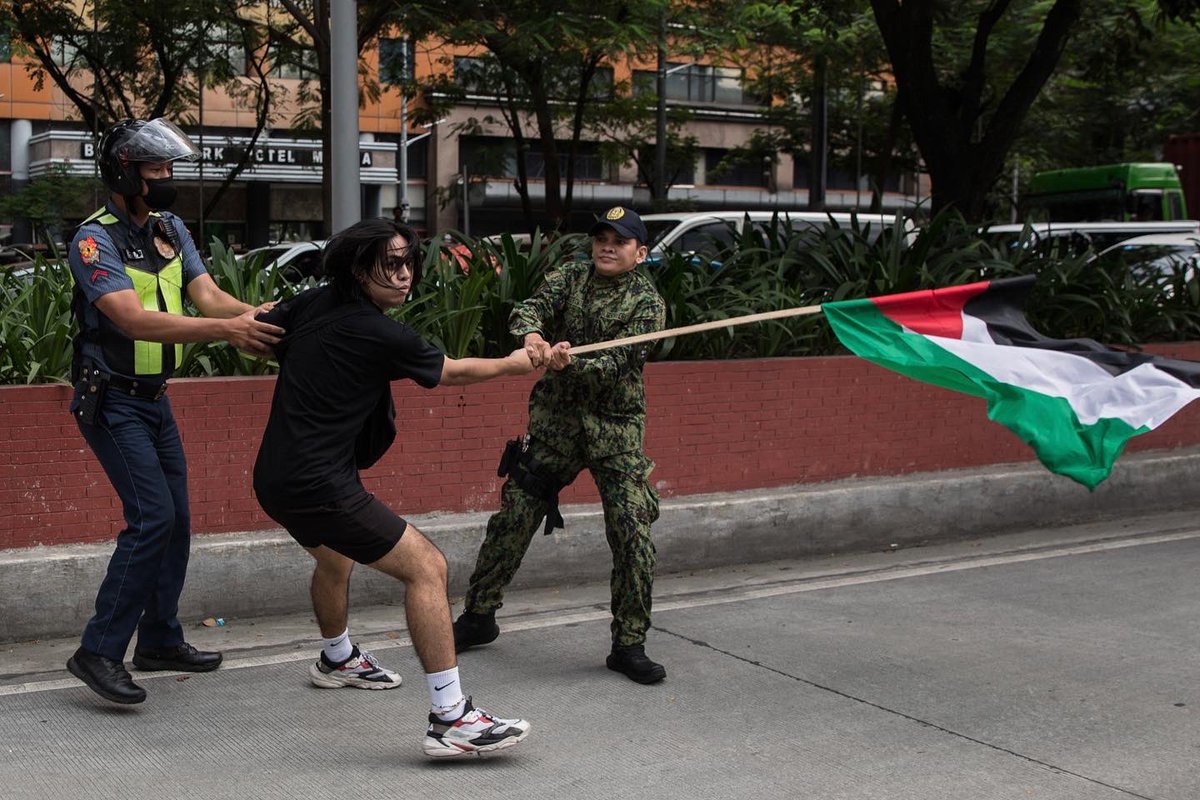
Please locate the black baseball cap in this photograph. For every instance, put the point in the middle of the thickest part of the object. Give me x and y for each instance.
(624, 221)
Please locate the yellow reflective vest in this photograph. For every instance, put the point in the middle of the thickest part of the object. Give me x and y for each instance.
(158, 291)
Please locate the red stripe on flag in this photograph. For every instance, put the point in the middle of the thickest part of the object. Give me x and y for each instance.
(930, 312)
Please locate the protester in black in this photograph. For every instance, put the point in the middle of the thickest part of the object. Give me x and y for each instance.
(332, 415)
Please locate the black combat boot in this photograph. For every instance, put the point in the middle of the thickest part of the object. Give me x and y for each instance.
(472, 630)
(632, 661)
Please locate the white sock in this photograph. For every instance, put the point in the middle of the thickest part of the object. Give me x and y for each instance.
(338, 649)
(445, 694)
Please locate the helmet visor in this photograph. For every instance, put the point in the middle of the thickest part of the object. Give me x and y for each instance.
(158, 140)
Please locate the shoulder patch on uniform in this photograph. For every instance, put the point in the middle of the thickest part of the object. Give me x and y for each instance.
(88, 251)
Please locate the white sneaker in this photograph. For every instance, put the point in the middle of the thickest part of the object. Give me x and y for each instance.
(361, 671)
(474, 733)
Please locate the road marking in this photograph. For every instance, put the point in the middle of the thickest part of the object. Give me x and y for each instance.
(719, 597)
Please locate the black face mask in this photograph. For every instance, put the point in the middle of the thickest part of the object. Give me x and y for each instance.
(161, 194)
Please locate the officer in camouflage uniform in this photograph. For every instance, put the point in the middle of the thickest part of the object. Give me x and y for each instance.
(584, 413)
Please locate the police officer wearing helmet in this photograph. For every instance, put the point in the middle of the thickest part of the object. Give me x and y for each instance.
(134, 264)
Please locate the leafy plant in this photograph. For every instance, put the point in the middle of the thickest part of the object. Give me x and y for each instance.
(35, 323)
(464, 304)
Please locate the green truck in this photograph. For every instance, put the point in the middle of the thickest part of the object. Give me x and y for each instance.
(1129, 192)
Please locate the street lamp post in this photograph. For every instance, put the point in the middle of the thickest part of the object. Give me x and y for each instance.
(403, 130)
(660, 134)
(660, 127)
(344, 163)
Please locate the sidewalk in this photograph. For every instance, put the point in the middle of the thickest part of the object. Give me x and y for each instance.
(1057, 663)
(50, 591)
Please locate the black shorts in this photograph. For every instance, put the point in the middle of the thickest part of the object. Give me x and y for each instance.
(359, 527)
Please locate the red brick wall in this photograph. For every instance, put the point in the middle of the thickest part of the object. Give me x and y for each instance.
(713, 426)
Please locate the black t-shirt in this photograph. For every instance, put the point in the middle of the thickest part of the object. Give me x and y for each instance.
(330, 381)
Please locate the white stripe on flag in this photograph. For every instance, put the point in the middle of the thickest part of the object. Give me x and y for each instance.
(1141, 397)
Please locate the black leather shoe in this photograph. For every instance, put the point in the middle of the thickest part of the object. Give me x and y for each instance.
(472, 630)
(632, 661)
(181, 658)
(105, 677)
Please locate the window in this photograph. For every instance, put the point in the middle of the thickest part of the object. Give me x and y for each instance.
(5, 148)
(707, 240)
(226, 44)
(600, 87)
(476, 75)
(1175, 201)
(700, 84)
(1145, 205)
(63, 53)
(589, 166)
(681, 171)
(397, 61)
(835, 177)
(418, 156)
(497, 157)
(296, 64)
(483, 76)
(5, 43)
(732, 173)
(223, 43)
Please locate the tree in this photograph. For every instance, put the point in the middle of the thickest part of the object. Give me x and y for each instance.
(305, 34)
(1129, 81)
(823, 63)
(544, 65)
(967, 90)
(626, 129)
(46, 202)
(121, 59)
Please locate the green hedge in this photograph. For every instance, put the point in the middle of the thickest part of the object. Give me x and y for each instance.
(463, 304)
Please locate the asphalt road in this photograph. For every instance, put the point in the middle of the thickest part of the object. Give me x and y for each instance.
(1055, 664)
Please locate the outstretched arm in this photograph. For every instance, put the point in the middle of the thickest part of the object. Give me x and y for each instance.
(465, 371)
(243, 331)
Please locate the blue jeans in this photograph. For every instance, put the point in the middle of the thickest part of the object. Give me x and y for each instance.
(137, 443)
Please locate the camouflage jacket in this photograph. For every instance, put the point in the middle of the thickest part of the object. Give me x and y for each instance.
(600, 397)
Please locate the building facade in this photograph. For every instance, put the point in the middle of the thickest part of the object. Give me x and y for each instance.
(277, 195)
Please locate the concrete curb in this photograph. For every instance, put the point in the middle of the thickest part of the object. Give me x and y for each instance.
(49, 591)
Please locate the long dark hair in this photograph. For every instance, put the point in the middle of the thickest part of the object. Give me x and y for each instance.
(360, 251)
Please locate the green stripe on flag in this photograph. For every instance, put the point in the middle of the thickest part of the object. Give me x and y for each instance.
(1084, 453)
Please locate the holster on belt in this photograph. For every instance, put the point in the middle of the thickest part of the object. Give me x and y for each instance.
(531, 475)
(92, 384)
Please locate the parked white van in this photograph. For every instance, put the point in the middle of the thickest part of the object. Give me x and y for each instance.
(706, 233)
(1164, 257)
(1065, 239)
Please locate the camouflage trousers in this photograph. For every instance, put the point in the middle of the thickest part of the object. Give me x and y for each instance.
(630, 506)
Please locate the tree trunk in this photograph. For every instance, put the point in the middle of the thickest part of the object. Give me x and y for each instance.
(963, 151)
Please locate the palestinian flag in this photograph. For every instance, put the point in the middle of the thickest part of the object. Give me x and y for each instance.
(1074, 401)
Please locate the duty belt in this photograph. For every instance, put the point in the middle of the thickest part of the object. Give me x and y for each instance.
(147, 390)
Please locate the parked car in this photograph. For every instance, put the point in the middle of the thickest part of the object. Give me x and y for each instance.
(295, 261)
(1165, 257)
(1069, 239)
(706, 234)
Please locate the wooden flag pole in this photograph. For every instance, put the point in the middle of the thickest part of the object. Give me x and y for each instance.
(703, 326)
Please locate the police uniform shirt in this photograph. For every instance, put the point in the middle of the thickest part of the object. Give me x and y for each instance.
(329, 383)
(98, 265)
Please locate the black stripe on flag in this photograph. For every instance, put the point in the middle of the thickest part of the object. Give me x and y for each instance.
(1001, 308)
